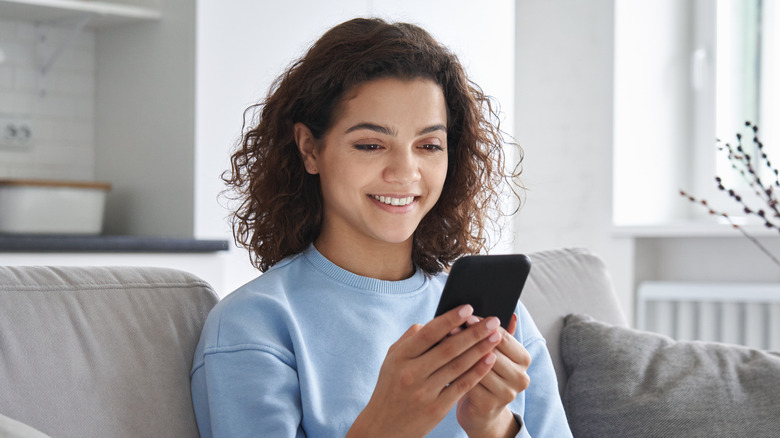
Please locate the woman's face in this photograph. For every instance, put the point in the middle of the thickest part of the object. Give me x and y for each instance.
(383, 163)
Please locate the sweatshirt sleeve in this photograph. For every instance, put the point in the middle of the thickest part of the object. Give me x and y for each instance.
(246, 390)
(543, 415)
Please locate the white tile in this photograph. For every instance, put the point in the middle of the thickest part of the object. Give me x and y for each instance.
(26, 79)
(63, 129)
(74, 84)
(55, 105)
(7, 30)
(75, 60)
(6, 103)
(55, 154)
(6, 76)
(18, 55)
(25, 32)
(12, 102)
(13, 157)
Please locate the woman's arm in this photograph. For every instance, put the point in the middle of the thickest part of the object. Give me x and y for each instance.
(246, 391)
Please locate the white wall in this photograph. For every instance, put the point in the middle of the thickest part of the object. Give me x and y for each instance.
(145, 122)
(564, 121)
(243, 45)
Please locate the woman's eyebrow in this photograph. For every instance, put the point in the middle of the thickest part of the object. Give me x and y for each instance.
(433, 128)
(388, 131)
(372, 127)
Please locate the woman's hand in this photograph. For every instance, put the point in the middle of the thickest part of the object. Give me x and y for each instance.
(483, 411)
(426, 372)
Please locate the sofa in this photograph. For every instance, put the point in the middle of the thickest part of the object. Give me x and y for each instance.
(106, 352)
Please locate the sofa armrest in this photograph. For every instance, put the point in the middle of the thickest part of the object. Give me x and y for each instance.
(88, 350)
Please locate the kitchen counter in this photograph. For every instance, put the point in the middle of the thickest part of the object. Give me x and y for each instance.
(107, 244)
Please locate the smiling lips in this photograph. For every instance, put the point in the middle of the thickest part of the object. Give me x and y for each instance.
(394, 201)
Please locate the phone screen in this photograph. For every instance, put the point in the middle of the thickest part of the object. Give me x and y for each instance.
(491, 284)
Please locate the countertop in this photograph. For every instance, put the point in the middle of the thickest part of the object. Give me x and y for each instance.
(107, 244)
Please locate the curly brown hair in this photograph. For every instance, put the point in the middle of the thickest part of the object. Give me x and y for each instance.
(280, 204)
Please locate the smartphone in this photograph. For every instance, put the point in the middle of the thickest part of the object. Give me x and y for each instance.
(490, 283)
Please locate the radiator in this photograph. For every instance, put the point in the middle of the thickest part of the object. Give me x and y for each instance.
(744, 313)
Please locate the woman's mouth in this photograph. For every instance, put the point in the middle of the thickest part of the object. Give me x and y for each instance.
(388, 200)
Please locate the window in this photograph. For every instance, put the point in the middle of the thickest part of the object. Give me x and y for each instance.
(687, 72)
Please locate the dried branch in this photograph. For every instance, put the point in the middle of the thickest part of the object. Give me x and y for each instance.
(742, 163)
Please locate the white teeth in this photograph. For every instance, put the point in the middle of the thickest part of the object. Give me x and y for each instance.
(394, 201)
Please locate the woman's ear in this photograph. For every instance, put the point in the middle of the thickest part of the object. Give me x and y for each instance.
(307, 146)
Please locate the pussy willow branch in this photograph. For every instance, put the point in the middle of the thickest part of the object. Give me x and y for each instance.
(732, 223)
(742, 163)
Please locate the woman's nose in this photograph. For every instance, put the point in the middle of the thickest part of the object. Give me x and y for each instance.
(402, 167)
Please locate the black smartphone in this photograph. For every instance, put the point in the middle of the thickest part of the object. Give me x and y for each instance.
(490, 283)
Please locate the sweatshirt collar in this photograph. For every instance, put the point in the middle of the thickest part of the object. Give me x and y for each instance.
(322, 264)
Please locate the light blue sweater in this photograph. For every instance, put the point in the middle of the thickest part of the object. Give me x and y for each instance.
(297, 351)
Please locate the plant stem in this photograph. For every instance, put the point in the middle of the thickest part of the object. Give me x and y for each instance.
(753, 239)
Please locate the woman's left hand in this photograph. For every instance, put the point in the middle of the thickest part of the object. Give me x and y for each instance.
(483, 411)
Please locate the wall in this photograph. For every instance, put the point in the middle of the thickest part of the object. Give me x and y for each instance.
(145, 123)
(564, 121)
(62, 120)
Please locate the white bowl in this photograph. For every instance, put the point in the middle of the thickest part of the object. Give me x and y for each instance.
(52, 207)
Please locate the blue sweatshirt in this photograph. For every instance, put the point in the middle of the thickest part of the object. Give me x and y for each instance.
(297, 352)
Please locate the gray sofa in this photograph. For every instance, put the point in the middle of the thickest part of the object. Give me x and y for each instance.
(106, 352)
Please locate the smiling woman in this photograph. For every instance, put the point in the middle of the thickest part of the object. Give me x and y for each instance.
(372, 165)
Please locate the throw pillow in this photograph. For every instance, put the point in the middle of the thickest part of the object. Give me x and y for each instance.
(629, 383)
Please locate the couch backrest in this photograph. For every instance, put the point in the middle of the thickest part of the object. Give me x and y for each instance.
(565, 281)
(100, 351)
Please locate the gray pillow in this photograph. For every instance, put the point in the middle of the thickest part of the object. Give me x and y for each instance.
(628, 383)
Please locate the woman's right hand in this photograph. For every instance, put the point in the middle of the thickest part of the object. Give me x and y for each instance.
(425, 373)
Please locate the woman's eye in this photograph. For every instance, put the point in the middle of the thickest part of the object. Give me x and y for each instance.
(367, 147)
(432, 147)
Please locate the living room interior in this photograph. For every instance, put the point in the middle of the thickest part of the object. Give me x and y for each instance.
(617, 105)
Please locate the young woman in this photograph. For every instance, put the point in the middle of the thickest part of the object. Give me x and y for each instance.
(372, 166)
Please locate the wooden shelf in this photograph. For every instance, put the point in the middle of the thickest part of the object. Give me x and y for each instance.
(51, 11)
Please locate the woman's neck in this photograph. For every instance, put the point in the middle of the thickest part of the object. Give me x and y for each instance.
(380, 260)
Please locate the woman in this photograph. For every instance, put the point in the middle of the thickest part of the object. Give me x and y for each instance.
(372, 166)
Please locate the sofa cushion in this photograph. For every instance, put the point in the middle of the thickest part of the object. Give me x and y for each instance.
(100, 351)
(628, 383)
(563, 281)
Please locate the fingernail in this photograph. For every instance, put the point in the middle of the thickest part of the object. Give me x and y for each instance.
(494, 337)
(493, 323)
(455, 331)
(490, 359)
(472, 320)
(465, 311)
